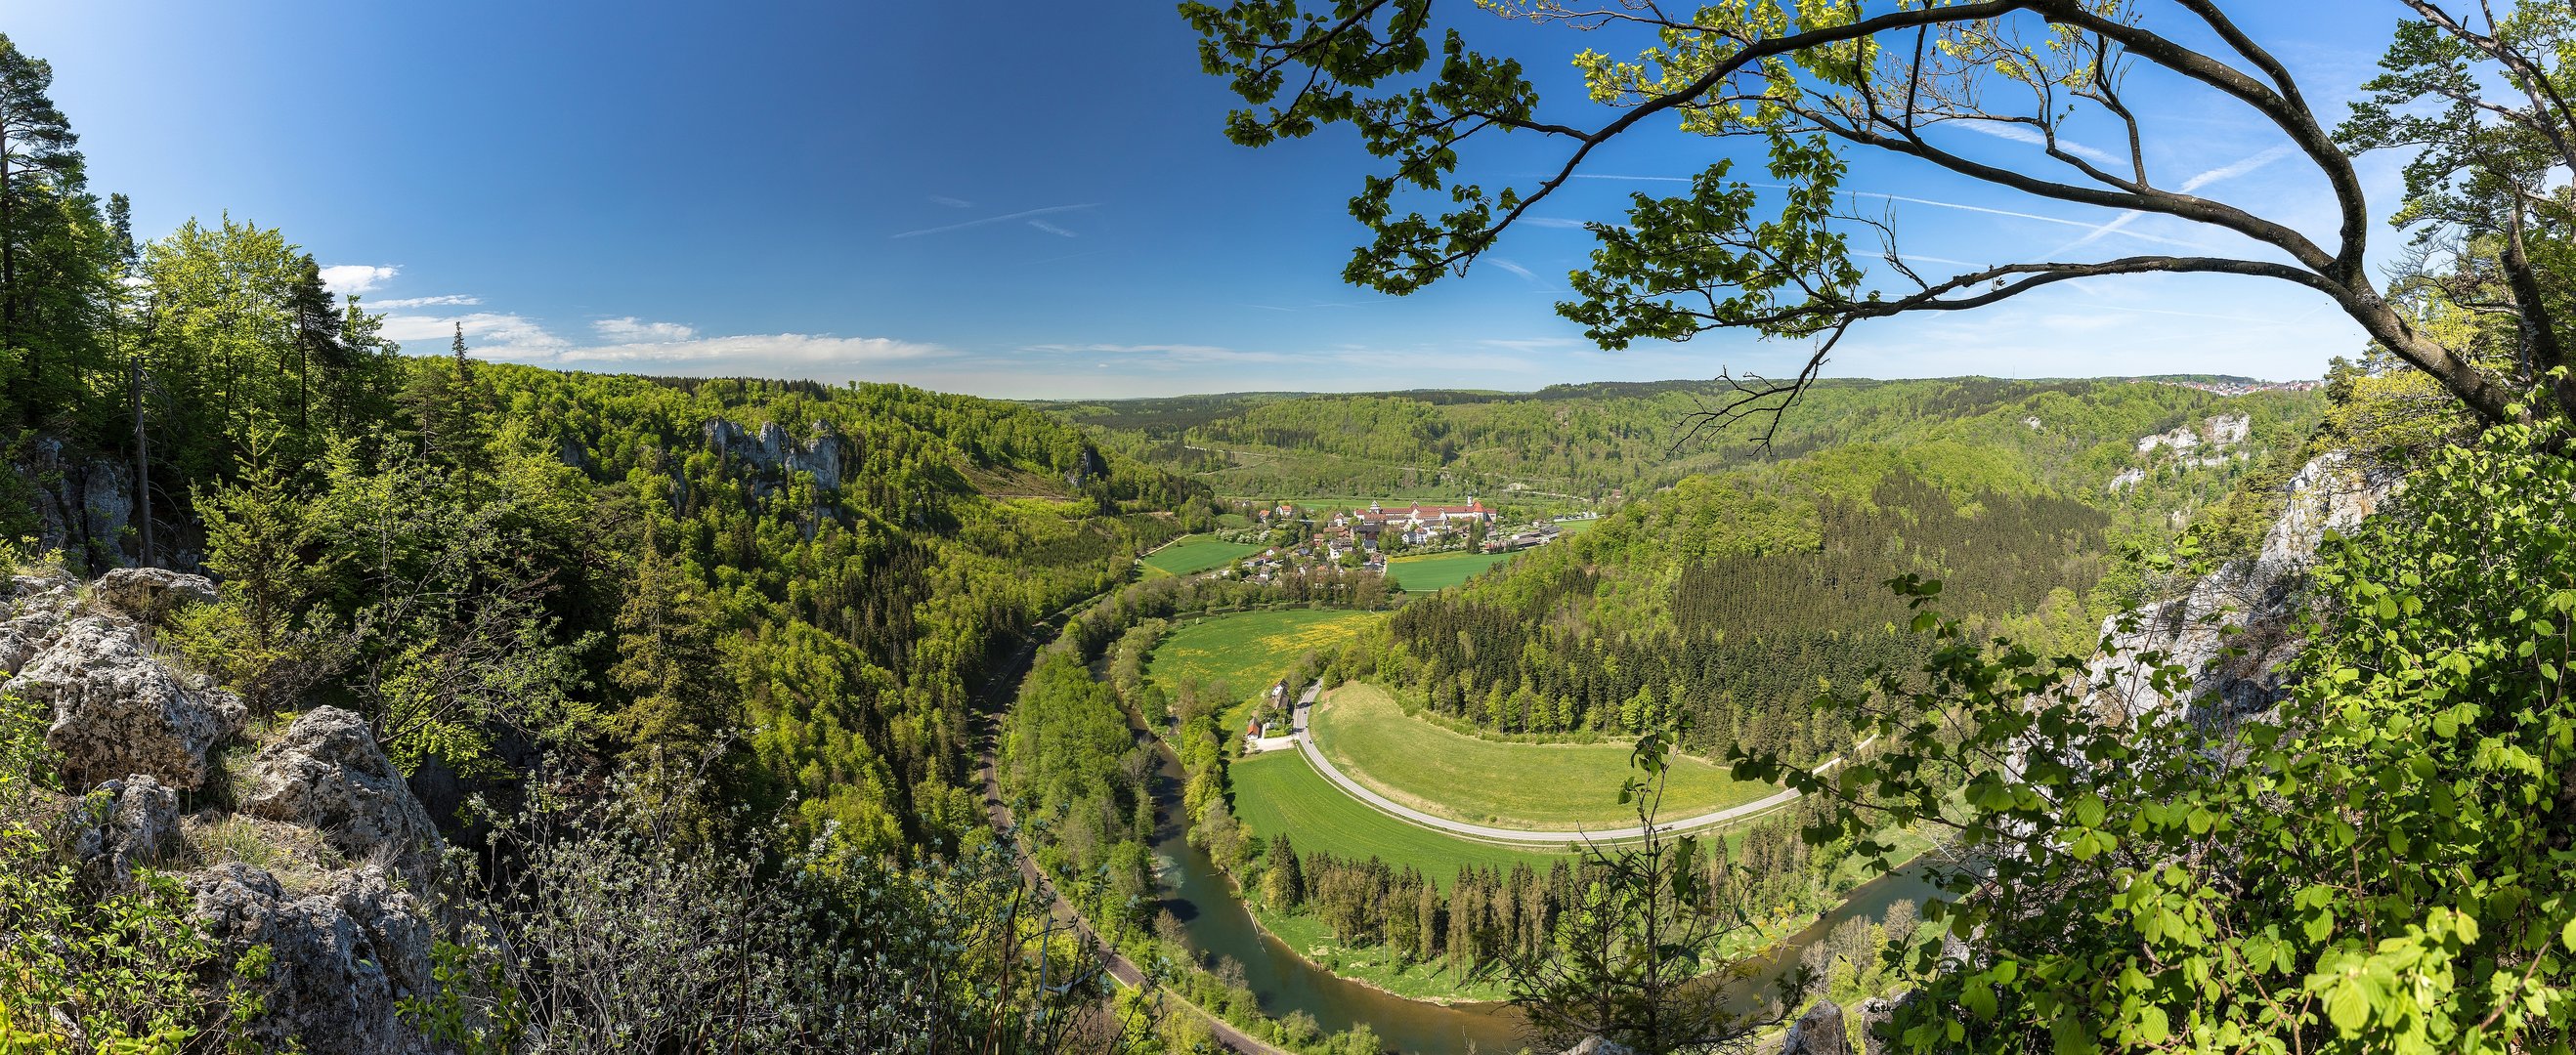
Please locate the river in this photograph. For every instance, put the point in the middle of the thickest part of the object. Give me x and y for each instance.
(1197, 892)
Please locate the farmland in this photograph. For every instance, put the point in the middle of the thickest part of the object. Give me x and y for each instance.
(1542, 787)
(1198, 553)
(1247, 651)
(1433, 572)
(1279, 791)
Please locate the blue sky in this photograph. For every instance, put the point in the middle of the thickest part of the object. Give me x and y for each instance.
(1034, 200)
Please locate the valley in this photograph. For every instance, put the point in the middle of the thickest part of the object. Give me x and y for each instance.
(1211, 570)
(1502, 691)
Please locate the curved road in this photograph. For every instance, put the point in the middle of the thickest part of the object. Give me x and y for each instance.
(1409, 815)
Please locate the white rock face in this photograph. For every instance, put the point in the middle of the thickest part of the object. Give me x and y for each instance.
(1877, 1021)
(37, 605)
(2220, 432)
(772, 451)
(328, 774)
(2257, 594)
(118, 711)
(82, 507)
(137, 823)
(2228, 430)
(149, 594)
(2182, 438)
(1818, 1032)
(343, 957)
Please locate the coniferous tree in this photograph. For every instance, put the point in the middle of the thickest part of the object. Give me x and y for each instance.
(668, 662)
(316, 322)
(39, 166)
(126, 259)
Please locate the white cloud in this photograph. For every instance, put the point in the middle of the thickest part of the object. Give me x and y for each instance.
(1004, 218)
(631, 330)
(2119, 224)
(1511, 267)
(1051, 228)
(448, 300)
(488, 335)
(776, 353)
(2239, 168)
(2026, 134)
(345, 279)
(953, 203)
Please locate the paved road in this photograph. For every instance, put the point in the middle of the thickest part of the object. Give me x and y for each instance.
(1486, 833)
(998, 692)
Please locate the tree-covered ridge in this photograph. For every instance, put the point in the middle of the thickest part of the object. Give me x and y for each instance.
(789, 587)
(1727, 599)
(854, 621)
(1593, 439)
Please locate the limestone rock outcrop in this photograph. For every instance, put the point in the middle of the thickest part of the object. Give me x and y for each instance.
(1818, 1032)
(151, 594)
(772, 451)
(83, 504)
(327, 773)
(118, 711)
(342, 957)
(1878, 1019)
(2258, 594)
(136, 823)
(37, 604)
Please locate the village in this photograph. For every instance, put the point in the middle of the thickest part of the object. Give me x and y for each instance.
(1310, 542)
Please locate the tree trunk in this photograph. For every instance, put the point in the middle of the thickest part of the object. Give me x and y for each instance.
(8, 255)
(142, 456)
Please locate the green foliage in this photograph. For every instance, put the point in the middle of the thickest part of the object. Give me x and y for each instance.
(2376, 867)
(1625, 960)
(114, 968)
(606, 932)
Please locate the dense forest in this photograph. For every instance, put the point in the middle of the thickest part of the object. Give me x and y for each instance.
(722, 638)
(1593, 440)
(1725, 601)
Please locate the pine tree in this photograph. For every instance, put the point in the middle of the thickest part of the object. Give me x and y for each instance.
(127, 262)
(668, 663)
(1287, 886)
(51, 242)
(316, 321)
(37, 159)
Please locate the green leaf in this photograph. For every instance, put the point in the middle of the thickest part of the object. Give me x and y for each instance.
(2348, 1007)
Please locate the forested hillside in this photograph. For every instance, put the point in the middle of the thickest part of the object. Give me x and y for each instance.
(723, 640)
(1726, 600)
(1590, 440)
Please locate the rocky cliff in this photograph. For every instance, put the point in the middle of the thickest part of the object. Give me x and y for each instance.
(83, 505)
(2249, 606)
(774, 453)
(314, 849)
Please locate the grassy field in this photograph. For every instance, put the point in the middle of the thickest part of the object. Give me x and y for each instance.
(1198, 553)
(1279, 791)
(1247, 650)
(1438, 571)
(1545, 787)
